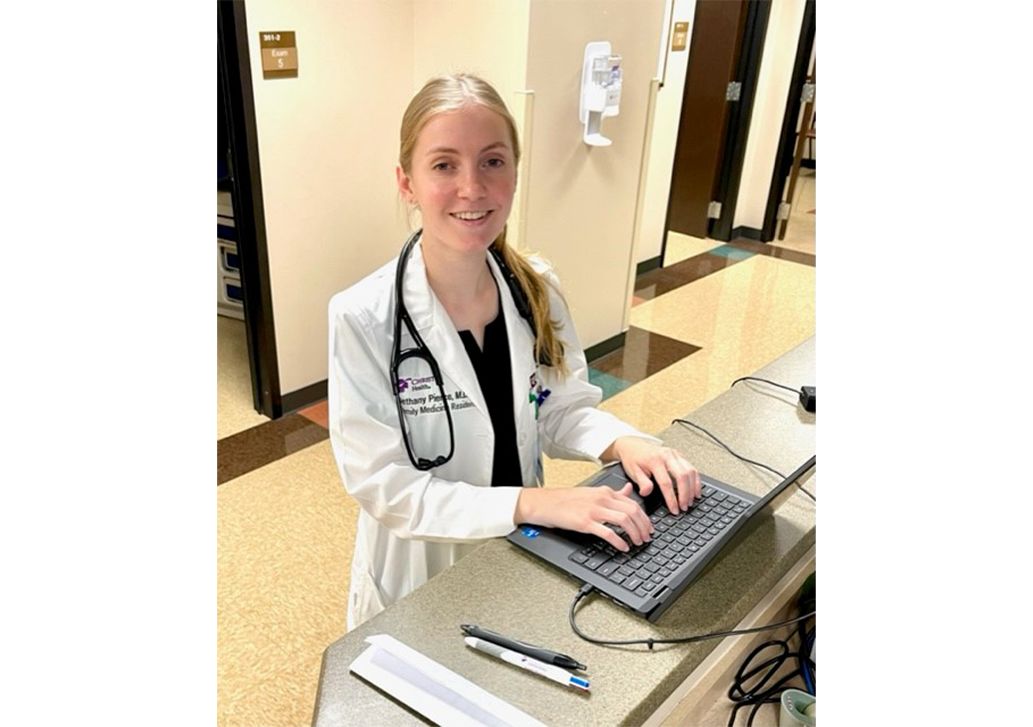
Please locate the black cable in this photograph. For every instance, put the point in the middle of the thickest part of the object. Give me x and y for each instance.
(773, 699)
(760, 693)
(587, 588)
(754, 378)
(756, 696)
(739, 456)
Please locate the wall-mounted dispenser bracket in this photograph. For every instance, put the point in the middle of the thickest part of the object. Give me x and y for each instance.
(600, 90)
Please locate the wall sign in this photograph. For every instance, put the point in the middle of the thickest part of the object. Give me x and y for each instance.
(279, 54)
(680, 37)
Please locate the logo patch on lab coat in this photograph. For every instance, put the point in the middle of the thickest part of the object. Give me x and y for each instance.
(418, 384)
(536, 396)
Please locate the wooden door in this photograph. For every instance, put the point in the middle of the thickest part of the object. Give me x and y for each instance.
(713, 57)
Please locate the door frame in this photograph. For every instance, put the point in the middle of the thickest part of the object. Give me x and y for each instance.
(787, 142)
(248, 207)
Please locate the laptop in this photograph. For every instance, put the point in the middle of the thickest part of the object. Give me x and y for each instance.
(648, 579)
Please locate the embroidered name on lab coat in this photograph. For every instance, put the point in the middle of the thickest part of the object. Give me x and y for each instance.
(425, 398)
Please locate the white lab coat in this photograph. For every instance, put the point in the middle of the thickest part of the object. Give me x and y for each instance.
(415, 524)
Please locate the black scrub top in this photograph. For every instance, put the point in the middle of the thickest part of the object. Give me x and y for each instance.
(495, 375)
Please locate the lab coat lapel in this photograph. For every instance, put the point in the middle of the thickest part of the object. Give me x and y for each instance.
(438, 331)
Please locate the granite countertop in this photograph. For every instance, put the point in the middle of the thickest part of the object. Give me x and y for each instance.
(501, 588)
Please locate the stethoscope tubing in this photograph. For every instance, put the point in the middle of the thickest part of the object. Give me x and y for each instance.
(398, 356)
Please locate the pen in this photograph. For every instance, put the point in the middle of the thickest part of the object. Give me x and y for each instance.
(535, 652)
(525, 662)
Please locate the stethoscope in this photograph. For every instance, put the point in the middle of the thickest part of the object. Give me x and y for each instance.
(420, 350)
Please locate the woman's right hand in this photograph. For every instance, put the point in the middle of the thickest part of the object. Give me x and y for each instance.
(586, 510)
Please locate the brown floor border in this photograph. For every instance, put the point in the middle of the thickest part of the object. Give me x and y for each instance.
(645, 353)
(782, 253)
(663, 280)
(659, 281)
(256, 447)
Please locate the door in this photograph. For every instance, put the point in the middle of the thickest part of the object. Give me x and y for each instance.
(237, 103)
(716, 43)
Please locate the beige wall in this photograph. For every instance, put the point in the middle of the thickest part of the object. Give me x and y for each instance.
(664, 139)
(496, 50)
(327, 164)
(328, 145)
(580, 213)
(769, 107)
(581, 200)
(486, 37)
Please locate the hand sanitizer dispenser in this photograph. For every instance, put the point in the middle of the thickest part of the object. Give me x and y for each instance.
(600, 90)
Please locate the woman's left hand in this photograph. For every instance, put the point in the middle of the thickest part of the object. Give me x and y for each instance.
(644, 462)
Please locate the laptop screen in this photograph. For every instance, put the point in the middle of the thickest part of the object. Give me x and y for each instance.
(787, 487)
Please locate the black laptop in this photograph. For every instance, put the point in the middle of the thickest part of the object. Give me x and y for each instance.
(649, 578)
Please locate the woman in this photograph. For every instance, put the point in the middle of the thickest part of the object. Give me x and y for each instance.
(465, 464)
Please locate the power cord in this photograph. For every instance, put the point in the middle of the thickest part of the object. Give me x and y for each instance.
(808, 394)
(754, 378)
(739, 456)
(759, 693)
(588, 588)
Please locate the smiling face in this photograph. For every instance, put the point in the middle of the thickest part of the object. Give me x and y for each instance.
(463, 177)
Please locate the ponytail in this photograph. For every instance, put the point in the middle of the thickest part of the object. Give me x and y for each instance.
(536, 288)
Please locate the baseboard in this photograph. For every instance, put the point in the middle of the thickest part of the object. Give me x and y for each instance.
(646, 265)
(749, 233)
(608, 346)
(303, 397)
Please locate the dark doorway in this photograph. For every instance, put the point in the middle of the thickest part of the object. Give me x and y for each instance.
(243, 179)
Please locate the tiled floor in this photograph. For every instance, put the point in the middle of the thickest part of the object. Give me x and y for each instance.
(286, 526)
(235, 410)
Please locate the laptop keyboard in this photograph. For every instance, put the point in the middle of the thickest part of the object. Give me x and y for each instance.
(649, 567)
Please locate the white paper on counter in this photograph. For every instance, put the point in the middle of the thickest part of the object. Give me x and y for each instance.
(438, 693)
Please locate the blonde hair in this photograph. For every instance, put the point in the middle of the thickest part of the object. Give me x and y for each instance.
(452, 92)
